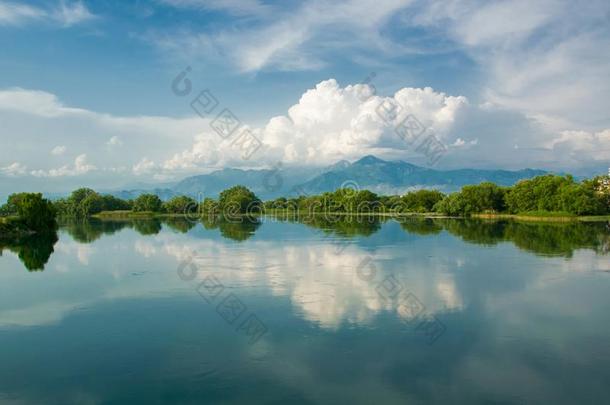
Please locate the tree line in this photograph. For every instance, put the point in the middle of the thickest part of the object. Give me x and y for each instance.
(543, 194)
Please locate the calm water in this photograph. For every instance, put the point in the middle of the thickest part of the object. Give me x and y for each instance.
(443, 311)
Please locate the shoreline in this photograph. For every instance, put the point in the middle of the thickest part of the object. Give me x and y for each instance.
(306, 214)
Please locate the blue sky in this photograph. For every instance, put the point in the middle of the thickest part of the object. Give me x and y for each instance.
(85, 86)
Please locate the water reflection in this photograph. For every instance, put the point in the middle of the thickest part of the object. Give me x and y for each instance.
(238, 229)
(34, 251)
(547, 239)
(521, 327)
(551, 239)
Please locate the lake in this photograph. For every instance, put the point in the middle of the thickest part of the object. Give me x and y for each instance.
(266, 311)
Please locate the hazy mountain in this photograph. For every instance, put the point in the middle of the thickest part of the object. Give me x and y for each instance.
(266, 183)
(370, 172)
(397, 177)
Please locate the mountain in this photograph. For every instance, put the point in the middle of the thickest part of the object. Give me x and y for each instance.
(397, 177)
(370, 172)
(266, 183)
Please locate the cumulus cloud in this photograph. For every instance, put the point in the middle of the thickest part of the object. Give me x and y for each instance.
(14, 169)
(80, 167)
(329, 123)
(581, 146)
(58, 150)
(144, 166)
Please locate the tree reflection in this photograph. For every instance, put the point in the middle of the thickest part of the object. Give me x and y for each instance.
(548, 238)
(421, 226)
(90, 230)
(151, 226)
(181, 225)
(551, 239)
(34, 251)
(238, 229)
(341, 225)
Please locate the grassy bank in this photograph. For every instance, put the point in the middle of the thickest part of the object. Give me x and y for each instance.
(125, 214)
(541, 216)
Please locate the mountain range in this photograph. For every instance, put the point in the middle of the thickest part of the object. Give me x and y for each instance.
(369, 172)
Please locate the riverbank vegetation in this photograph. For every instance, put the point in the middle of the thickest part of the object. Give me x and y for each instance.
(549, 197)
(26, 214)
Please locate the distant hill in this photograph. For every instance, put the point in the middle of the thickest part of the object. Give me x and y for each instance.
(370, 172)
(397, 177)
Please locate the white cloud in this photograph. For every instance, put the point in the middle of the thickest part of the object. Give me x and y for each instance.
(289, 39)
(14, 169)
(17, 14)
(114, 141)
(236, 7)
(548, 59)
(35, 102)
(581, 146)
(328, 123)
(80, 167)
(144, 166)
(58, 150)
(72, 12)
(66, 13)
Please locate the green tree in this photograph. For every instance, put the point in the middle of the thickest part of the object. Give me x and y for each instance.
(479, 198)
(421, 200)
(34, 212)
(112, 203)
(238, 199)
(541, 193)
(581, 199)
(180, 205)
(147, 202)
(209, 207)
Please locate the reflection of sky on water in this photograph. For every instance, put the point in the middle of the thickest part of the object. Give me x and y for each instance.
(285, 260)
(321, 282)
(519, 326)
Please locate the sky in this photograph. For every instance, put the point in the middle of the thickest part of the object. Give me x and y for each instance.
(111, 94)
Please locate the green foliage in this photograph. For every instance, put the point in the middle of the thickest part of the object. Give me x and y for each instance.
(540, 193)
(35, 212)
(209, 207)
(147, 202)
(419, 201)
(180, 205)
(556, 193)
(85, 202)
(238, 200)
